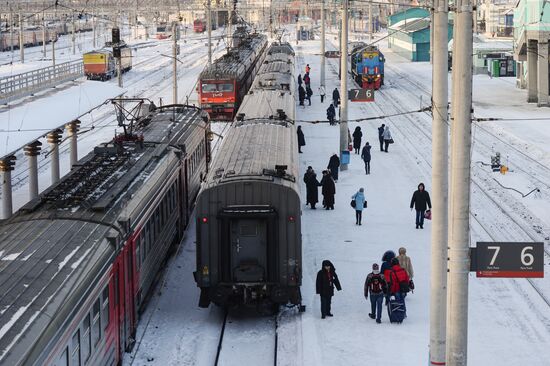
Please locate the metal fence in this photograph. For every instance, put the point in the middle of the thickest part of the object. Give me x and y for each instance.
(25, 84)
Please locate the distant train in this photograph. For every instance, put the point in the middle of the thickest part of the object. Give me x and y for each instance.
(78, 262)
(367, 66)
(101, 65)
(163, 31)
(249, 243)
(199, 25)
(223, 85)
(33, 36)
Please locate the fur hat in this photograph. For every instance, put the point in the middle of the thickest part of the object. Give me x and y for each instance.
(375, 268)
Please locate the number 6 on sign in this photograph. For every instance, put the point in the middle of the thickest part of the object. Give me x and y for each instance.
(527, 259)
(497, 250)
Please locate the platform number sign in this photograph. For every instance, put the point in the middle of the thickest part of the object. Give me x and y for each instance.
(509, 259)
(361, 95)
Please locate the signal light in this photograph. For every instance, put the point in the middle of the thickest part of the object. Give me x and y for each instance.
(291, 218)
(204, 220)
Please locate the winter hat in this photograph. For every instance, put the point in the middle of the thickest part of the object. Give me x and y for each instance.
(375, 268)
(361, 189)
(394, 261)
(326, 263)
(402, 250)
(388, 255)
(309, 167)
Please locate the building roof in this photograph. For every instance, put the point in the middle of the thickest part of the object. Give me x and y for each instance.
(411, 25)
(482, 43)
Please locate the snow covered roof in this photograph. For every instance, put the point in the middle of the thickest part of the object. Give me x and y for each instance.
(411, 25)
(482, 43)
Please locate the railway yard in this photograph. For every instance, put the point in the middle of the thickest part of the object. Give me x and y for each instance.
(508, 318)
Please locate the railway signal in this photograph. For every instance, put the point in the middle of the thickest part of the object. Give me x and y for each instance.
(508, 260)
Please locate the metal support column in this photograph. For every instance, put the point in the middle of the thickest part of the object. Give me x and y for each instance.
(323, 36)
(344, 85)
(73, 38)
(532, 71)
(21, 44)
(72, 130)
(209, 26)
(6, 166)
(32, 151)
(175, 65)
(542, 71)
(54, 138)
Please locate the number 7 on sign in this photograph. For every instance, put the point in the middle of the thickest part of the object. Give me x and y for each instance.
(357, 92)
(497, 250)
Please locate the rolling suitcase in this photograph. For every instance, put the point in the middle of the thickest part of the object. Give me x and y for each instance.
(396, 309)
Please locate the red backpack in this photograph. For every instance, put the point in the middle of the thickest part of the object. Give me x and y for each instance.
(376, 284)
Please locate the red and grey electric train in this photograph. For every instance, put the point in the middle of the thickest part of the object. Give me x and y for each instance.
(223, 85)
(77, 263)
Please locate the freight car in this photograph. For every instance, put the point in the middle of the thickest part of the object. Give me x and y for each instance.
(249, 249)
(101, 65)
(78, 262)
(367, 66)
(223, 85)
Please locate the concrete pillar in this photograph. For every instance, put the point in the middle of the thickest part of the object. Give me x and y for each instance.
(542, 71)
(532, 71)
(6, 166)
(32, 151)
(54, 138)
(72, 129)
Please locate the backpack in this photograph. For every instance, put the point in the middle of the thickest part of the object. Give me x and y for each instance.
(375, 284)
(404, 286)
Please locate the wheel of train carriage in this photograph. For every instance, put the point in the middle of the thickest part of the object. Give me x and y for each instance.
(267, 307)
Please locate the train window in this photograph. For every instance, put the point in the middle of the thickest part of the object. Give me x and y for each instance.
(157, 224)
(248, 230)
(64, 358)
(225, 87)
(86, 344)
(96, 327)
(208, 88)
(138, 249)
(75, 357)
(105, 307)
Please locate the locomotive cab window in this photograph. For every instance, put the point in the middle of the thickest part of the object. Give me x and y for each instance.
(208, 88)
(225, 87)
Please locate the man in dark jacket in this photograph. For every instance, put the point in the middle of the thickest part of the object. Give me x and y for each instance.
(335, 97)
(420, 199)
(333, 165)
(309, 93)
(381, 136)
(331, 114)
(328, 190)
(365, 155)
(301, 94)
(312, 190)
(301, 139)
(325, 283)
(357, 135)
(307, 79)
(376, 286)
(300, 80)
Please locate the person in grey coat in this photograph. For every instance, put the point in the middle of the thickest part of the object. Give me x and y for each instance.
(387, 138)
(359, 199)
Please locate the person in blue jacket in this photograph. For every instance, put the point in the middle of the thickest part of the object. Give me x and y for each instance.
(359, 199)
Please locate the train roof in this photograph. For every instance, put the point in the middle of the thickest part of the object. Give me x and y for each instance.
(237, 60)
(60, 241)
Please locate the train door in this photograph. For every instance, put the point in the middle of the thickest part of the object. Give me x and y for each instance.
(129, 319)
(248, 240)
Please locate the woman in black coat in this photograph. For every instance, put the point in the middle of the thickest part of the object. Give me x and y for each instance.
(312, 190)
(357, 135)
(328, 190)
(327, 279)
(301, 139)
(333, 165)
(301, 95)
(420, 199)
(365, 155)
(335, 97)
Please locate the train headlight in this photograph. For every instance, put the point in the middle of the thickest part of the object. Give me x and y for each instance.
(378, 75)
(291, 218)
(205, 271)
(204, 220)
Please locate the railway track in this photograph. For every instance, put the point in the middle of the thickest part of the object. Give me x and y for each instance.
(247, 337)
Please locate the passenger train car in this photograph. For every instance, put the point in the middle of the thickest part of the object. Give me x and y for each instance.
(78, 262)
(223, 85)
(367, 66)
(249, 249)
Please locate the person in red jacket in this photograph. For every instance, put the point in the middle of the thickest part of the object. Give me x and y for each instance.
(397, 279)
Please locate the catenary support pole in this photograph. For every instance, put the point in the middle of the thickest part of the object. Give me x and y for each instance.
(54, 138)
(72, 129)
(323, 36)
(344, 85)
(44, 40)
(209, 28)
(371, 26)
(21, 44)
(93, 28)
(175, 65)
(440, 184)
(459, 230)
(6, 167)
(32, 151)
(73, 36)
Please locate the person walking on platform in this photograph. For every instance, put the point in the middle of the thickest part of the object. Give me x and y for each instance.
(419, 200)
(307, 79)
(309, 93)
(328, 190)
(336, 97)
(308, 69)
(357, 135)
(312, 187)
(376, 286)
(326, 280)
(406, 264)
(381, 136)
(333, 165)
(398, 286)
(322, 93)
(386, 260)
(365, 155)
(299, 80)
(301, 139)
(331, 114)
(387, 138)
(301, 95)
(359, 203)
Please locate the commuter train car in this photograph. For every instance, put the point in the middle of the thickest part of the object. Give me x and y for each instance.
(199, 25)
(249, 249)
(78, 262)
(101, 65)
(223, 85)
(163, 31)
(367, 66)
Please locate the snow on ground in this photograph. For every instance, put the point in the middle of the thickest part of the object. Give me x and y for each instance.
(508, 322)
